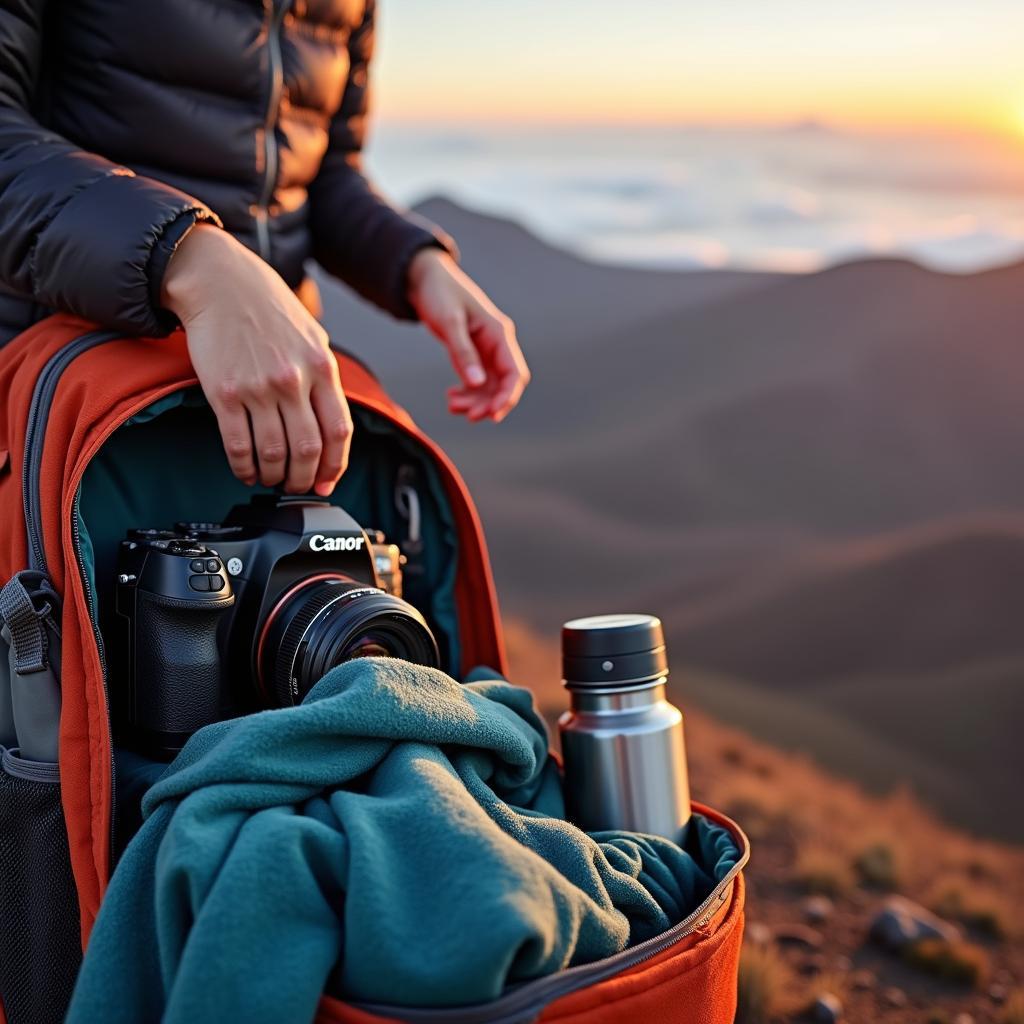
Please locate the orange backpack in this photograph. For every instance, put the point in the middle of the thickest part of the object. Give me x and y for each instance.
(100, 433)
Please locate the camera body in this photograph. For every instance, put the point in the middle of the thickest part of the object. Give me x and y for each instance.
(212, 620)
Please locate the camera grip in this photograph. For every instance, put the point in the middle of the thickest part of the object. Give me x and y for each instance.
(179, 677)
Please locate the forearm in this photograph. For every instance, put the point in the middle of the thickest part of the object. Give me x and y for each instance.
(359, 237)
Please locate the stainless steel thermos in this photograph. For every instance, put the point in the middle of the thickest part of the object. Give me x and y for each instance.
(622, 741)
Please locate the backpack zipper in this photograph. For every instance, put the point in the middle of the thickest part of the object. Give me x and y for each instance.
(526, 1002)
(270, 154)
(38, 413)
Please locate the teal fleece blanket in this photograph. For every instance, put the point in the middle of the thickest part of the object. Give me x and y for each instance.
(398, 838)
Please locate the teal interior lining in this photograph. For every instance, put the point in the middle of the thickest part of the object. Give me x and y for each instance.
(167, 464)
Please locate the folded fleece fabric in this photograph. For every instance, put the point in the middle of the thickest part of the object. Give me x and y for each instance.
(397, 838)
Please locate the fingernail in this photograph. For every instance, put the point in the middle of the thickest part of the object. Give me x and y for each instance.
(476, 376)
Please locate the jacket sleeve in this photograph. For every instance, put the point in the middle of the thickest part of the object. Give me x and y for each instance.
(78, 233)
(358, 236)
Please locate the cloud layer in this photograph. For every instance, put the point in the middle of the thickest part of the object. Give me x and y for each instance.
(792, 199)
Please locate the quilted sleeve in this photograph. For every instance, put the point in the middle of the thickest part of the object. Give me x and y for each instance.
(78, 233)
(358, 236)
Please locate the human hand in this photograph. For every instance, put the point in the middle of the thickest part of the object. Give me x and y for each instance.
(263, 362)
(480, 339)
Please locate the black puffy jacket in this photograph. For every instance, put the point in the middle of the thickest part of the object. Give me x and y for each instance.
(123, 122)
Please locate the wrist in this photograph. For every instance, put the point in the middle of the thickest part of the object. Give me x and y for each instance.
(425, 262)
(192, 265)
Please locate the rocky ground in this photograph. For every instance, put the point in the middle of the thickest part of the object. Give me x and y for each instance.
(834, 872)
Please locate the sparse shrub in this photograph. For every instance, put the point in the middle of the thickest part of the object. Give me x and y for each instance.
(762, 980)
(984, 917)
(733, 754)
(937, 1017)
(1013, 1009)
(823, 872)
(878, 867)
(979, 870)
(958, 962)
(988, 920)
(950, 903)
(753, 816)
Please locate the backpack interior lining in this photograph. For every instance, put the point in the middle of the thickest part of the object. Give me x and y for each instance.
(167, 464)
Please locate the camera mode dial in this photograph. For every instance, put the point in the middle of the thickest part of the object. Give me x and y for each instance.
(181, 568)
(207, 530)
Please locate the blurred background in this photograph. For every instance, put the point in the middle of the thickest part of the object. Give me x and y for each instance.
(764, 262)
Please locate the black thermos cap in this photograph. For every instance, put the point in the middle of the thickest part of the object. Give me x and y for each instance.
(604, 650)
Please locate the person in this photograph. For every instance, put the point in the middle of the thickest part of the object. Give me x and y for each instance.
(181, 161)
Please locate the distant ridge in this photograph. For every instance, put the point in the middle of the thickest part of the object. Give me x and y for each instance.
(915, 600)
(556, 297)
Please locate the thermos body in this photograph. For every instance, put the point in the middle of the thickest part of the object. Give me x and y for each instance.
(627, 749)
(622, 741)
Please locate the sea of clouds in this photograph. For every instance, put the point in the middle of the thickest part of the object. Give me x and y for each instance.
(794, 198)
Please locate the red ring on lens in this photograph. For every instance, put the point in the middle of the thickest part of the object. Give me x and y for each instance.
(276, 610)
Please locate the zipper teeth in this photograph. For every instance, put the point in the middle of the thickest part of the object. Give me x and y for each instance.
(269, 127)
(76, 543)
(76, 539)
(39, 407)
(31, 771)
(526, 1002)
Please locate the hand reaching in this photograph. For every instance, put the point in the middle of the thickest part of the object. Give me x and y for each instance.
(480, 339)
(264, 364)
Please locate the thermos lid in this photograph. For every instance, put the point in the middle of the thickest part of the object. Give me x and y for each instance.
(603, 650)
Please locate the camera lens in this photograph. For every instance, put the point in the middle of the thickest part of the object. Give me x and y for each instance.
(328, 620)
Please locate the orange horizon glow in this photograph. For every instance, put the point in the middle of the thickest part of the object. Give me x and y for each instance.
(921, 65)
(1008, 126)
(883, 113)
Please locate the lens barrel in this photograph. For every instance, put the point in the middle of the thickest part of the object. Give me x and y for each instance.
(330, 621)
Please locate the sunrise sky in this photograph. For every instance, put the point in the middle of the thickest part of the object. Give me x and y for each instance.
(864, 63)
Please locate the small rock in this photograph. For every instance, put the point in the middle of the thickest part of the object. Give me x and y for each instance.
(997, 993)
(798, 935)
(863, 980)
(758, 934)
(813, 964)
(843, 964)
(817, 909)
(963, 1018)
(895, 996)
(827, 1009)
(901, 922)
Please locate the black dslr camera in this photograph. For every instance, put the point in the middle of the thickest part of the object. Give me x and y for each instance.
(215, 619)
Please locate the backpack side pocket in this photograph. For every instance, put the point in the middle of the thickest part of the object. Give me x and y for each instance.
(40, 944)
